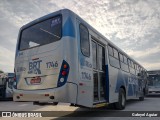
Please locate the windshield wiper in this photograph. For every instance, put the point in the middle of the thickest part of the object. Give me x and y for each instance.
(50, 33)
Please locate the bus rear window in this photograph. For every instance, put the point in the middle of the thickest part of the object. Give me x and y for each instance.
(42, 33)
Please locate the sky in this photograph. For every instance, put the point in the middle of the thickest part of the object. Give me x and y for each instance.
(132, 25)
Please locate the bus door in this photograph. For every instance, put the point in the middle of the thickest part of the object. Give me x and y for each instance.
(85, 87)
(99, 71)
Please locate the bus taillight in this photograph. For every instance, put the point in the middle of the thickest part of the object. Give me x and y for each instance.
(63, 75)
(65, 66)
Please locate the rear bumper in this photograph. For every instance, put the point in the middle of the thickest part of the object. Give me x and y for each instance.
(150, 90)
(154, 91)
(66, 93)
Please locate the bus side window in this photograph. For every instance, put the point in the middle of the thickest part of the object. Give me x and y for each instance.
(110, 50)
(132, 64)
(129, 62)
(94, 54)
(115, 53)
(113, 57)
(84, 40)
(125, 60)
(101, 52)
(121, 57)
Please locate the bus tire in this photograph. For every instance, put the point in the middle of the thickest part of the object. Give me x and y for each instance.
(120, 105)
(39, 103)
(55, 103)
(35, 103)
(142, 97)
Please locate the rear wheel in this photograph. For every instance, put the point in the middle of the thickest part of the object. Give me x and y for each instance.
(39, 103)
(142, 97)
(120, 105)
(55, 103)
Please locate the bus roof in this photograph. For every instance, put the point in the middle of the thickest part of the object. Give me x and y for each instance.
(79, 18)
(102, 36)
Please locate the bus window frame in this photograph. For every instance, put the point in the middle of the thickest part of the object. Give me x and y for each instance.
(21, 31)
(81, 42)
(109, 55)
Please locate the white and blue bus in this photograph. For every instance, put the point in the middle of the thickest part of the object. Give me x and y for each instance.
(154, 81)
(61, 58)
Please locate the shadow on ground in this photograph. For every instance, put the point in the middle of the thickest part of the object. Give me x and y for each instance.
(108, 111)
(6, 99)
(156, 95)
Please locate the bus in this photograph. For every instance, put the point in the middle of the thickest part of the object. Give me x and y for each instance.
(61, 58)
(6, 85)
(154, 81)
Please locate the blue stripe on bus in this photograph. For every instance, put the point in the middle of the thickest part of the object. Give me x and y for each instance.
(120, 81)
(107, 84)
(68, 28)
(130, 90)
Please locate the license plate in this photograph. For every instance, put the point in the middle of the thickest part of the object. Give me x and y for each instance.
(35, 80)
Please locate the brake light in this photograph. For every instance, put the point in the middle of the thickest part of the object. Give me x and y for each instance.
(64, 73)
(65, 66)
(46, 94)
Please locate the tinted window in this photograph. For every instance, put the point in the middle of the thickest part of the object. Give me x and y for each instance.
(114, 62)
(115, 53)
(94, 52)
(110, 50)
(125, 60)
(124, 67)
(113, 58)
(42, 33)
(129, 62)
(84, 38)
(121, 57)
(101, 55)
(132, 64)
(135, 66)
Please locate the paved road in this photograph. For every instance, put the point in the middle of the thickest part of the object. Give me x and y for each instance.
(151, 103)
